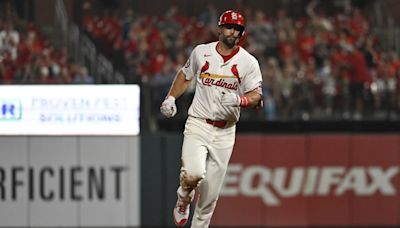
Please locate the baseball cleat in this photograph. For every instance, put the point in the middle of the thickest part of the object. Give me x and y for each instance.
(181, 214)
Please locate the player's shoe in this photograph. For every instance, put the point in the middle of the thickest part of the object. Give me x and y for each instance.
(181, 213)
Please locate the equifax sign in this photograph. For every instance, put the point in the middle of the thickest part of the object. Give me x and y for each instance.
(272, 185)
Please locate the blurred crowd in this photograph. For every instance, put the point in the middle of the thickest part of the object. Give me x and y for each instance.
(314, 67)
(27, 57)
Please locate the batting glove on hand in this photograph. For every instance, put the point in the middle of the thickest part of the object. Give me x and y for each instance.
(168, 107)
(231, 99)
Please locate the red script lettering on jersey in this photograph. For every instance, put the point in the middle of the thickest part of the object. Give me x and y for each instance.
(217, 80)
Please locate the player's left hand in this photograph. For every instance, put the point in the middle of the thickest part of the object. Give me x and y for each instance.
(230, 99)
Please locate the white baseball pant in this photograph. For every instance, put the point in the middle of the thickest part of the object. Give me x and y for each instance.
(206, 151)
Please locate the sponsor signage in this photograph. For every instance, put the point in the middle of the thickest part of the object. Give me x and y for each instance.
(74, 183)
(69, 181)
(272, 185)
(69, 110)
(313, 180)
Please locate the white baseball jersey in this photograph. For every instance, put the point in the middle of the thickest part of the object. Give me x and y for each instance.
(240, 74)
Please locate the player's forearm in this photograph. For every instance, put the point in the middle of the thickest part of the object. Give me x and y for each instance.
(253, 98)
(179, 85)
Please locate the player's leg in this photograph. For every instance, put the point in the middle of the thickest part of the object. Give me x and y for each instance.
(194, 154)
(193, 168)
(209, 189)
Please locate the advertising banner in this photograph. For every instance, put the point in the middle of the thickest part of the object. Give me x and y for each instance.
(312, 180)
(69, 181)
(69, 110)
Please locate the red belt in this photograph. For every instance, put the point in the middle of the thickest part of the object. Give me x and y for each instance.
(217, 123)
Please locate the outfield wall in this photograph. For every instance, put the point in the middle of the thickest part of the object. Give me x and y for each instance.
(319, 180)
(287, 180)
(345, 180)
(69, 181)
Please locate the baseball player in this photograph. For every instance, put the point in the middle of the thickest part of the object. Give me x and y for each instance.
(228, 79)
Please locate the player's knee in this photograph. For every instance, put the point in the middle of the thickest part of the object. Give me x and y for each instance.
(191, 180)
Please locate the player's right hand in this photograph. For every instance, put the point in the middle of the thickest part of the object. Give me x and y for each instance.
(168, 107)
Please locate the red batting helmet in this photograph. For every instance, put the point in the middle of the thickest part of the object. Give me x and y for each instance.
(231, 17)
